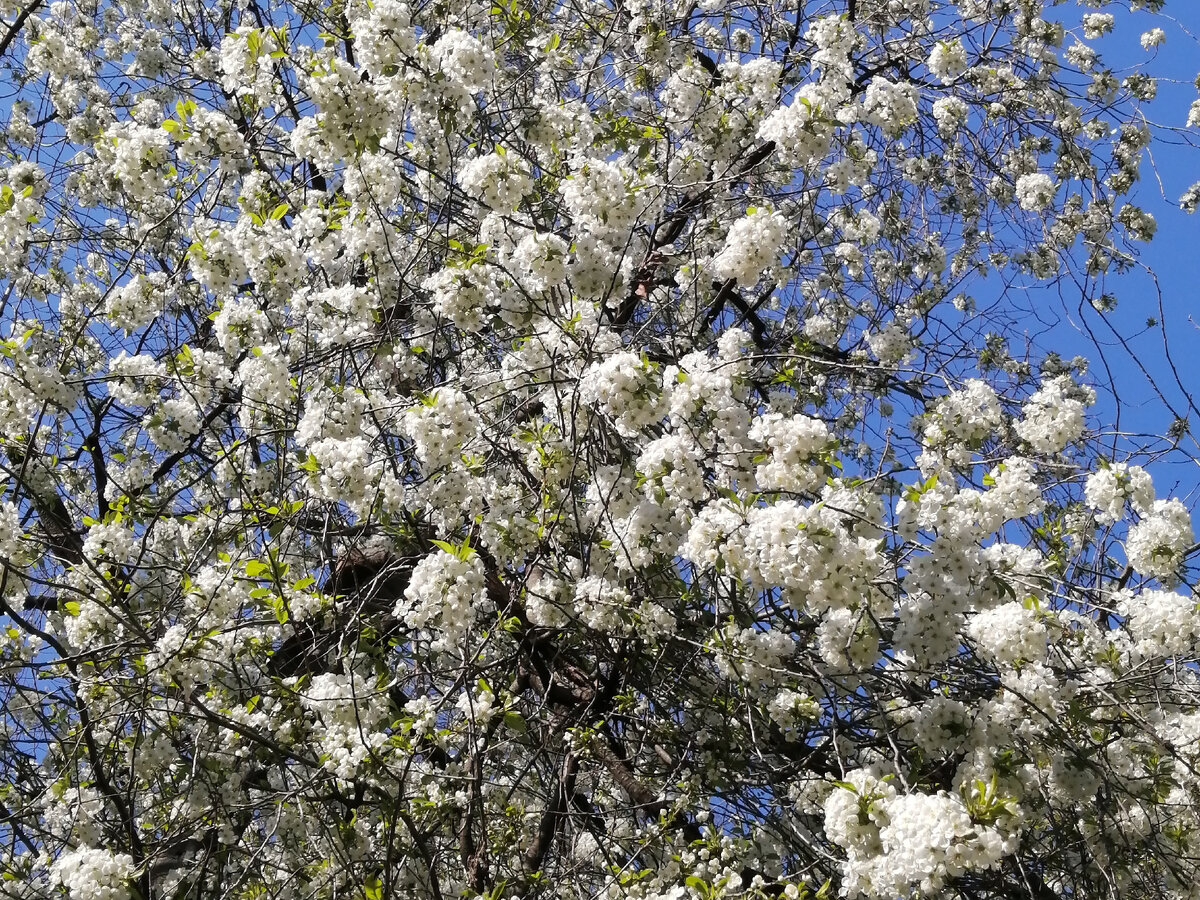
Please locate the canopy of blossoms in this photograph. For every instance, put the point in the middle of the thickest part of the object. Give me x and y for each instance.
(582, 449)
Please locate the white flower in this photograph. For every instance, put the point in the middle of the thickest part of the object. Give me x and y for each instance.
(1035, 191)
(93, 874)
(1193, 119)
(950, 113)
(1009, 633)
(1097, 24)
(499, 181)
(441, 427)
(753, 243)
(463, 60)
(1054, 415)
(947, 61)
(1162, 623)
(1156, 545)
(624, 388)
(1109, 488)
(446, 593)
(1153, 38)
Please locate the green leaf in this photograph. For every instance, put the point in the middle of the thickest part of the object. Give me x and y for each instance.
(280, 211)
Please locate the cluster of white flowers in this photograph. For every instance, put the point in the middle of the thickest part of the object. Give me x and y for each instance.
(604, 198)
(601, 604)
(1097, 24)
(899, 845)
(1153, 38)
(794, 448)
(1054, 415)
(1035, 191)
(463, 60)
(266, 380)
(947, 61)
(17, 213)
(247, 64)
(12, 545)
(1108, 489)
(135, 380)
(478, 707)
(135, 304)
(929, 838)
(89, 873)
(340, 315)
(1157, 543)
(441, 427)
(110, 540)
(214, 134)
(809, 552)
(684, 92)
(457, 295)
(800, 130)
(330, 413)
(890, 344)
(754, 243)
(834, 39)
(137, 157)
(790, 710)
(172, 423)
(847, 640)
(349, 708)
(938, 724)
(1193, 119)
(890, 105)
(497, 180)
(346, 470)
(239, 325)
(709, 532)
(950, 113)
(448, 591)
(1161, 623)
(968, 415)
(1009, 634)
(672, 463)
(541, 261)
(383, 35)
(754, 656)
(623, 387)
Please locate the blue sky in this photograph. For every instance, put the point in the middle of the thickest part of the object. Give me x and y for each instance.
(1126, 354)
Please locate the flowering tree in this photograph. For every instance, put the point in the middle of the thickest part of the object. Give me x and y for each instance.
(519, 449)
